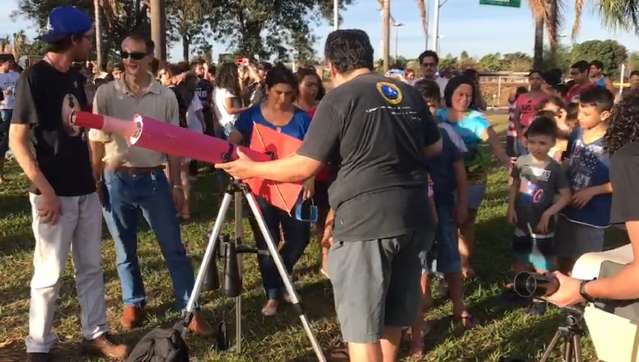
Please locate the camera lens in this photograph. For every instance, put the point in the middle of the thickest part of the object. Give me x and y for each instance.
(530, 285)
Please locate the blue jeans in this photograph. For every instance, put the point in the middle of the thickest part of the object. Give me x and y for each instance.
(5, 121)
(128, 195)
(296, 238)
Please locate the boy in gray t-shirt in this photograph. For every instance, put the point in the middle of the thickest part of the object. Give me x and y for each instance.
(532, 206)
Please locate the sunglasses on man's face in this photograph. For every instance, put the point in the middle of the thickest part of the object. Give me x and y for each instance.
(132, 55)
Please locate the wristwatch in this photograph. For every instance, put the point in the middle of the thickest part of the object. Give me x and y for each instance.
(583, 293)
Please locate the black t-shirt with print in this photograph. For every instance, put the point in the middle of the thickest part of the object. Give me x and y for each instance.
(44, 99)
(624, 175)
(539, 184)
(203, 92)
(375, 130)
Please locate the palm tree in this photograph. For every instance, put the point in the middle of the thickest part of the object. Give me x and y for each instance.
(422, 6)
(620, 13)
(19, 43)
(547, 14)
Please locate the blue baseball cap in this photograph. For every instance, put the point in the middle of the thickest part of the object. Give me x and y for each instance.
(65, 21)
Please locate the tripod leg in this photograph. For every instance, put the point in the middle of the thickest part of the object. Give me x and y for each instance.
(238, 300)
(568, 349)
(576, 347)
(268, 238)
(210, 250)
(551, 346)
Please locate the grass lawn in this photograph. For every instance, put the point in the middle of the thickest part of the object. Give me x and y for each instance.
(502, 331)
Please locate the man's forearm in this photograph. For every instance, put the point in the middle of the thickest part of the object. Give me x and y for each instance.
(623, 286)
(295, 168)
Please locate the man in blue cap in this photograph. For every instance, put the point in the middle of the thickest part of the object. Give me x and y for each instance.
(66, 211)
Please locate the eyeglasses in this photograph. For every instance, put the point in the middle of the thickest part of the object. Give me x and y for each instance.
(132, 55)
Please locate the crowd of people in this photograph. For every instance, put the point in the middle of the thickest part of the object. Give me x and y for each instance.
(396, 167)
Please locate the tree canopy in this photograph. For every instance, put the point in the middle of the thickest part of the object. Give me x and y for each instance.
(253, 28)
(609, 52)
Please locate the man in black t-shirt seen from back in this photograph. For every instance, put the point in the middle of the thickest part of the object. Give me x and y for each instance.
(378, 131)
(65, 208)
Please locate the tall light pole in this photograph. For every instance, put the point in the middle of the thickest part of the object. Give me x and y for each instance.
(397, 26)
(436, 10)
(98, 35)
(386, 33)
(436, 26)
(158, 29)
(335, 14)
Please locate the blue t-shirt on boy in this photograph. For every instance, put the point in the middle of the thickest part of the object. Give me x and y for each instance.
(588, 166)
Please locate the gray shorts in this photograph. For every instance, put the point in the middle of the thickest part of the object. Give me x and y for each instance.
(376, 283)
(572, 240)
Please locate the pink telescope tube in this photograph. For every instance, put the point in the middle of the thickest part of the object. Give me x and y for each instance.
(151, 134)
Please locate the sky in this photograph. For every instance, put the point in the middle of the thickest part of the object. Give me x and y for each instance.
(464, 25)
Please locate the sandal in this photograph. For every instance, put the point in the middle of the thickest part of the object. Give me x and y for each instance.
(417, 347)
(466, 319)
(339, 354)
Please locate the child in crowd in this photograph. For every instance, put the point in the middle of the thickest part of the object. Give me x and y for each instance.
(450, 188)
(227, 98)
(581, 229)
(566, 118)
(532, 203)
(511, 134)
(526, 108)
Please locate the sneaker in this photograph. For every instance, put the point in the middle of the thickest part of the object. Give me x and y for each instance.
(537, 309)
(38, 357)
(270, 308)
(200, 326)
(132, 316)
(105, 347)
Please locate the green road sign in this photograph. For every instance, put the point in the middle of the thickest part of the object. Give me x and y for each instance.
(511, 3)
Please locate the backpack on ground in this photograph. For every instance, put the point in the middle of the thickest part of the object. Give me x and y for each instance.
(161, 345)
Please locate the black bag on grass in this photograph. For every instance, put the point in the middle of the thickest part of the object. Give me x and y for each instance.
(161, 345)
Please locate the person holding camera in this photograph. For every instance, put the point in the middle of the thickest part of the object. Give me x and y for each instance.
(378, 131)
(622, 143)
